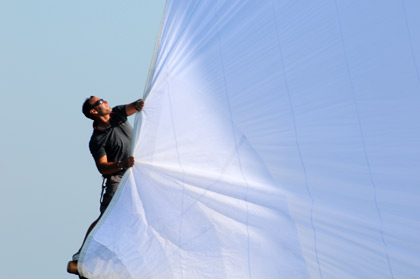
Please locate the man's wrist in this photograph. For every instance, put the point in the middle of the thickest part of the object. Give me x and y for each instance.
(119, 165)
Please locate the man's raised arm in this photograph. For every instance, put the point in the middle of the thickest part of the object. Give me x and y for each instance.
(134, 107)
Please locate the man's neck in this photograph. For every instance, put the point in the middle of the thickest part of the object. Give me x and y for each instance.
(104, 121)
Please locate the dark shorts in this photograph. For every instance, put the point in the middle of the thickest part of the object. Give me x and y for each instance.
(111, 186)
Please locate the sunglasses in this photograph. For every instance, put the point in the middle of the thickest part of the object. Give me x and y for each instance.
(97, 103)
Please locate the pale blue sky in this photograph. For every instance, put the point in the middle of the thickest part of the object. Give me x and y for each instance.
(54, 54)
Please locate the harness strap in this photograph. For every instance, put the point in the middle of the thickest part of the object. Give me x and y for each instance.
(103, 190)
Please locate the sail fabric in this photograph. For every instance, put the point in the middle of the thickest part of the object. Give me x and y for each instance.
(279, 139)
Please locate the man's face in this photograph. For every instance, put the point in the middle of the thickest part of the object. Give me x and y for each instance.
(101, 109)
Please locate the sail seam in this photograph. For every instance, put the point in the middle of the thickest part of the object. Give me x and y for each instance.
(297, 143)
(237, 154)
(182, 181)
(374, 188)
(410, 41)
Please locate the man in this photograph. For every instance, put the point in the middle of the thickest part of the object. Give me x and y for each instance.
(110, 146)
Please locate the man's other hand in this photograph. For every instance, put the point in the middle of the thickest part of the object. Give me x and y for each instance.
(128, 162)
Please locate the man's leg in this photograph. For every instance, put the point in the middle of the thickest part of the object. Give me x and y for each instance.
(89, 230)
(72, 265)
(111, 186)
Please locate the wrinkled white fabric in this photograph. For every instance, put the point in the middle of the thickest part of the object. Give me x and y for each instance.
(280, 139)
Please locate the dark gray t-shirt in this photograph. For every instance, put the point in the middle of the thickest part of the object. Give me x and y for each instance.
(115, 141)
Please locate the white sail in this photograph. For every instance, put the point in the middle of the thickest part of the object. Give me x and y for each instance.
(280, 139)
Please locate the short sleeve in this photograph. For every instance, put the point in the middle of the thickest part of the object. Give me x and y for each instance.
(120, 113)
(96, 149)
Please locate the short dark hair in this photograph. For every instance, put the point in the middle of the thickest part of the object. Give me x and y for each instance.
(87, 107)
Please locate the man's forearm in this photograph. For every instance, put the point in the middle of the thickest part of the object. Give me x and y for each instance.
(107, 168)
(132, 108)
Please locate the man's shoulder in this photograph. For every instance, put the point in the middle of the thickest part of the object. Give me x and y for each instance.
(119, 110)
(118, 115)
(96, 137)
